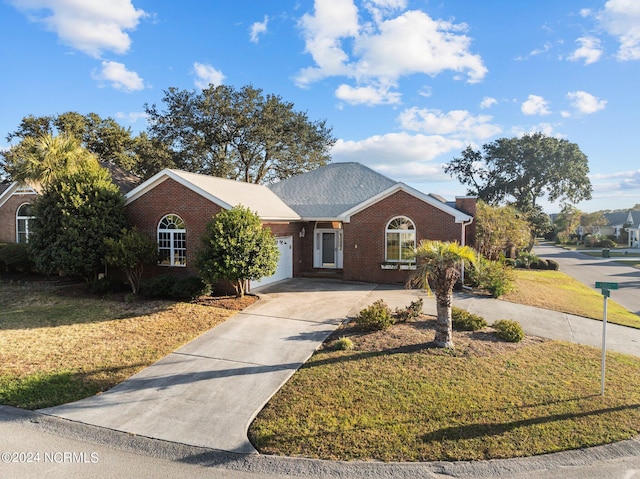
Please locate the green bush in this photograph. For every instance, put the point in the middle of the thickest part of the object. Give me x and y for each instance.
(159, 286)
(539, 264)
(465, 321)
(508, 330)
(553, 265)
(189, 287)
(16, 257)
(525, 259)
(409, 313)
(493, 276)
(343, 344)
(375, 317)
(107, 285)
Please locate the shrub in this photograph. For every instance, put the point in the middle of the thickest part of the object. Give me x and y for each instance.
(605, 243)
(189, 287)
(493, 276)
(158, 286)
(411, 312)
(553, 265)
(465, 321)
(15, 257)
(343, 344)
(107, 285)
(525, 259)
(508, 330)
(539, 264)
(375, 317)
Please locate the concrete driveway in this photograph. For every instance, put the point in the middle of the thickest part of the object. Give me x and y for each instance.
(589, 269)
(208, 392)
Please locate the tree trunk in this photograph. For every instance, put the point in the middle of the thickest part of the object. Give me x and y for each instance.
(444, 329)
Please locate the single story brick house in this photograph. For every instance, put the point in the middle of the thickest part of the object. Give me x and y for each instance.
(343, 220)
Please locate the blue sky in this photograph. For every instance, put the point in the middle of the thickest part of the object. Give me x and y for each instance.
(406, 85)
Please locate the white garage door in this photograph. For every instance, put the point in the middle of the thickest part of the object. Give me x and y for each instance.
(285, 263)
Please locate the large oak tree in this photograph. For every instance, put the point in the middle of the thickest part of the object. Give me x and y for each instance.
(238, 134)
(524, 169)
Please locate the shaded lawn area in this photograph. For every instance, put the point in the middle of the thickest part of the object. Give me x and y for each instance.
(559, 292)
(394, 398)
(58, 345)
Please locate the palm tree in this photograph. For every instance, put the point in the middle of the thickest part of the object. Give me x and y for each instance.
(439, 266)
(39, 161)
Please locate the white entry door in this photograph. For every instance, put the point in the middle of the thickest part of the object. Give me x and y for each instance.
(285, 263)
(327, 248)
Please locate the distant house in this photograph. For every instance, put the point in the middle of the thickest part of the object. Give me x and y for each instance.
(620, 221)
(342, 221)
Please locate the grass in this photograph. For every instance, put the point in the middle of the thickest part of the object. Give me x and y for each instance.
(393, 402)
(556, 291)
(56, 348)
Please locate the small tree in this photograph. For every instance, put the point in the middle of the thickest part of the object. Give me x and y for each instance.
(130, 252)
(439, 266)
(237, 248)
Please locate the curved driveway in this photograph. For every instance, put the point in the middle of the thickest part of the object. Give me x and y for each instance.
(589, 269)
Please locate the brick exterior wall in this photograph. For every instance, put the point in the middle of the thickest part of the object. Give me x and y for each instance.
(364, 236)
(8, 215)
(170, 197)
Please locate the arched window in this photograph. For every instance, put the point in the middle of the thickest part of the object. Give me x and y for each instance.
(172, 241)
(400, 239)
(23, 216)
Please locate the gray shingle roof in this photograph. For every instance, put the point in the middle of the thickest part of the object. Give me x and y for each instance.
(331, 190)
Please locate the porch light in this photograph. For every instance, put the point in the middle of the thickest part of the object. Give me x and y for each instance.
(302, 232)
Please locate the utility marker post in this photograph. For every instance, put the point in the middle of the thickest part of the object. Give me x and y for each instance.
(605, 288)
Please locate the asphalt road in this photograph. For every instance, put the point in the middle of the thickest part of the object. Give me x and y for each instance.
(589, 269)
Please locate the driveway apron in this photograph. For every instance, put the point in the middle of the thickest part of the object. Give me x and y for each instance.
(207, 392)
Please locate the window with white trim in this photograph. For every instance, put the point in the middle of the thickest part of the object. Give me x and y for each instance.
(172, 241)
(400, 240)
(23, 216)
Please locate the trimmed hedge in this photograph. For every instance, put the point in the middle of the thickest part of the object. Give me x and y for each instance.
(375, 317)
(173, 287)
(464, 320)
(508, 330)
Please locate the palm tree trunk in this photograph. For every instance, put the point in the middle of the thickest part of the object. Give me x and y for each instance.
(444, 329)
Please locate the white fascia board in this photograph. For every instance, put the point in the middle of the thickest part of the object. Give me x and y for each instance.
(459, 216)
(6, 194)
(165, 174)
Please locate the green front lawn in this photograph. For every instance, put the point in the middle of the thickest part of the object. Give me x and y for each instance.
(559, 292)
(405, 401)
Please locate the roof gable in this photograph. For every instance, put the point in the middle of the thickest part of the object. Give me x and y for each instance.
(329, 191)
(339, 190)
(223, 192)
(14, 188)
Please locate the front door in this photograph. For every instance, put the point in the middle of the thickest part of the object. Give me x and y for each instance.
(327, 248)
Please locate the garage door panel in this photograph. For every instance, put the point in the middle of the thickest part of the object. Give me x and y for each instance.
(284, 269)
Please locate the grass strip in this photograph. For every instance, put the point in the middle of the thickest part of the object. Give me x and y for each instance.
(557, 291)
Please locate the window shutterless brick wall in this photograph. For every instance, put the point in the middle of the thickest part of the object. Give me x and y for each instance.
(171, 197)
(364, 236)
(8, 216)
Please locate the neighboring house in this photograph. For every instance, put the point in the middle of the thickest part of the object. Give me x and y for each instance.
(632, 226)
(622, 221)
(15, 212)
(343, 220)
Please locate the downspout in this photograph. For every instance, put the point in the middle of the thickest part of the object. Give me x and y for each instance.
(463, 241)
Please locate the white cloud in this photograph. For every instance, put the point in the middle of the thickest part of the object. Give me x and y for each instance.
(257, 29)
(89, 26)
(367, 95)
(488, 102)
(544, 128)
(385, 48)
(456, 123)
(132, 117)
(119, 77)
(590, 50)
(400, 155)
(621, 19)
(585, 102)
(535, 105)
(207, 75)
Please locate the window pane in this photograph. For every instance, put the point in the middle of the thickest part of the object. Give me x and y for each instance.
(393, 246)
(408, 243)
